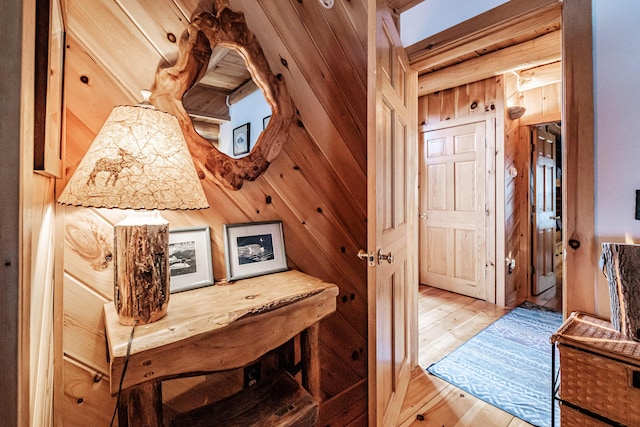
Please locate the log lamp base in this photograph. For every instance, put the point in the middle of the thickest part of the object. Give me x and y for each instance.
(141, 272)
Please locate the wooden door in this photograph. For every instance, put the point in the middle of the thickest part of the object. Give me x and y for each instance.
(392, 212)
(544, 210)
(453, 209)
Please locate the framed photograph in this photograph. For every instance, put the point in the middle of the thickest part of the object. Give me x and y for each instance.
(254, 249)
(265, 122)
(190, 258)
(47, 154)
(241, 139)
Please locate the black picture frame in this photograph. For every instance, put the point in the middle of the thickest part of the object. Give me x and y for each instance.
(265, 122)
(241, 139)
(254, 249)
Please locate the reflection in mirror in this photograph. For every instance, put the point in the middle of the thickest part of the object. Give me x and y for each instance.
(240, 134)
(205, 35)
(226, 106)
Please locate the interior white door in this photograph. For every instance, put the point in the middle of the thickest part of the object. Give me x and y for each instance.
(453, 209)
(392, 211)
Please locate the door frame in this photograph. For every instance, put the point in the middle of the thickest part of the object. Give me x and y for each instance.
(578, 126)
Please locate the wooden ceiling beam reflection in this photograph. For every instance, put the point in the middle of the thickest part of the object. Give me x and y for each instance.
(242, 92)
(206, 101)
(208, 130)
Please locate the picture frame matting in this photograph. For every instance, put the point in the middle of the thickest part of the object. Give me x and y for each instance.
(190, 261)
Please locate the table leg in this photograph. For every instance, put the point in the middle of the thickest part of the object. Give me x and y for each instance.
(141, 406)
(553, 384)
(311, 361)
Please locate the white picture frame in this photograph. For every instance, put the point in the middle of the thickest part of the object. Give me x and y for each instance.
(190, 258)
(254, 249)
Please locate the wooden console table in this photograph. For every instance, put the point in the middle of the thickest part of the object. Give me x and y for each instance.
(212, 329)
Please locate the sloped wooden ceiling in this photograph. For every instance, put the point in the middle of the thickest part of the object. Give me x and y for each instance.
(316, 186)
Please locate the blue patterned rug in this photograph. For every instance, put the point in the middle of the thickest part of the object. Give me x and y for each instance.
(508, 364)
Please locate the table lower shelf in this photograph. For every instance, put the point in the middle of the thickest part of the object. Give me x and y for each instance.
(277, 401)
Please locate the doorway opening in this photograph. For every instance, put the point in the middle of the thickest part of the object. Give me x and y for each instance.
(545, 173)
(577, 165)
(448, 320)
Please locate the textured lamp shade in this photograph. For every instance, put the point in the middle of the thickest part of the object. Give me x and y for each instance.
(138, 161)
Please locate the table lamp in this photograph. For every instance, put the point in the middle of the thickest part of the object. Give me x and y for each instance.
(139, 161)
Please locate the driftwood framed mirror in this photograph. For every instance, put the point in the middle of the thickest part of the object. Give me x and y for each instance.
(208, 32)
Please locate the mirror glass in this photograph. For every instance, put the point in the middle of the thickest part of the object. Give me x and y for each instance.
(227, 108)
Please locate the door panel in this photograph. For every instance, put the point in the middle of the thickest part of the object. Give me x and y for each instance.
(544, 218)
(453, 209)
(392, 194)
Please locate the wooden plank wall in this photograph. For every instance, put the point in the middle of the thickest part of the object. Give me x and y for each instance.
(543, 105)
(42, 227)
(317, 187)
(28, 236)
(516, 155)
(470, 101)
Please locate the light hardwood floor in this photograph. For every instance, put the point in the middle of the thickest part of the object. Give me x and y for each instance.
(447, 320)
